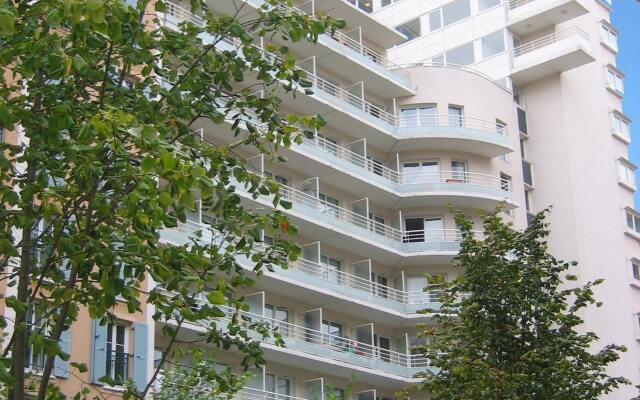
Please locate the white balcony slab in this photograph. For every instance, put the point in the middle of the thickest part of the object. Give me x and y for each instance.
(528, 16)
(550, 55)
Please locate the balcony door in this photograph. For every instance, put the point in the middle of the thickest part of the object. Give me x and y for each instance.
(434, 229)
(332, 268)
(414, 172)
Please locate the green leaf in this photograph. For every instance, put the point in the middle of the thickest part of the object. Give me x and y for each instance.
(216, 297)
(148, 164)
(7, 23)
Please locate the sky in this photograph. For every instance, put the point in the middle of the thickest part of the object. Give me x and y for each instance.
(626, 19)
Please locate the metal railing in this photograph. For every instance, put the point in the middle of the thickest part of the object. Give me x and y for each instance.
(368, 52)
(548, 40)
(117, 366)
(295, 333)
(300, 198)
(183, 14)
(342, 278)
(453, 121)
(472, 179)
(342, 94)
(322, 272)
(517, 3)
(466, 68)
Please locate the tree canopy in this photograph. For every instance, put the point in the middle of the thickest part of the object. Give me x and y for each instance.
(510, 324)
(104, 99)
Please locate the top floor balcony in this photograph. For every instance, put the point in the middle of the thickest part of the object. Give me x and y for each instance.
(528, 16)
(343, 51)
(551, 54)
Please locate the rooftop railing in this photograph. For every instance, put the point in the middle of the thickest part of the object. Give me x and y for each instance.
(548, 40)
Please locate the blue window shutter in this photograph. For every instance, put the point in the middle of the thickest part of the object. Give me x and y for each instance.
(60, 366)
(140, 350)
(99, 351)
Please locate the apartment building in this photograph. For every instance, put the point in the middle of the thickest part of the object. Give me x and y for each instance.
(558, 57)
(429, 103)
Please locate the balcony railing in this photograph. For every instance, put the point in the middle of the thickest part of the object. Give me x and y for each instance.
(469, 180)
(324, 273)
(369, 53)
(517, 3)
(117, 366)
(321, 208)
(548, 40)
(344, 95)
(183, 14)
(321, 275)
(316, 342)
(450, 121)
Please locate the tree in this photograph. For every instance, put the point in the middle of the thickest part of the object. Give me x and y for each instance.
(509, 324)
(107, 100)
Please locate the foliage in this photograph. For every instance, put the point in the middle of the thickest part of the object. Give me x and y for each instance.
(509, 327)
(107, 101)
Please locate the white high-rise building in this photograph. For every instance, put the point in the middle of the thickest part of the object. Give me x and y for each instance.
(558, 57)
(428, 103)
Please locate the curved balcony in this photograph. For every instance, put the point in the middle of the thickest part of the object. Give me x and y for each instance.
(460, 133)
(407, 189)
(326, 348)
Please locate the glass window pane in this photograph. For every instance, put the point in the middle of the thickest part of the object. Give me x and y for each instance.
(462, 55)
(493, 44)
(410, 29)
(484, 4)
(455, 11)
(435, 21)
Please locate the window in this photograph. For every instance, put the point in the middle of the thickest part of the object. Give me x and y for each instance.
(333, 332)
(523, 152)
(338, 394)
(462, 55)
(527, 200)
(418, 115)
(35, 356)
(609, 35)
(435, 20)
(329, 205)
(501, 127)
(620, 126)
(522, 121)
(505, 182)
(455, 116)
(278, 315)
(455, 11)
(364, 5)
(1, 135)
(328, 144)
(493, 44)
(485, 4)
(280, 179)
(614, 80)
(633, 220)
(410, 29)
(332, 268)
(374, 165)
(626, 173)
(635, 269)
(278, 385)
(527, 173)
(117, 358)
(459, 171)
(377, 223)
